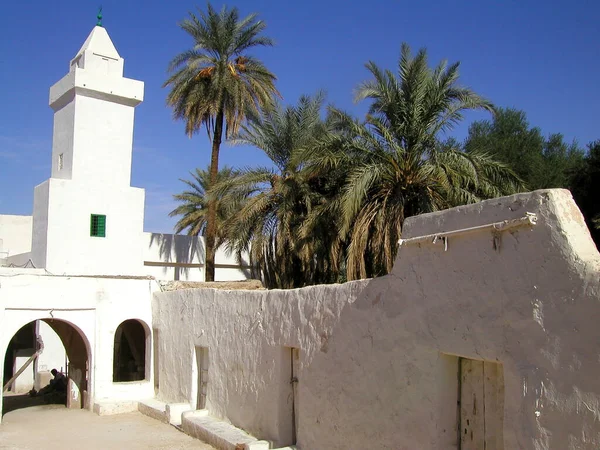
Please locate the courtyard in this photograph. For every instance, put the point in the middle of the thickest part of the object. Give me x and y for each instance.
(29, 424)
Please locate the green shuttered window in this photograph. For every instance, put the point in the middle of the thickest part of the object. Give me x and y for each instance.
(98, 225)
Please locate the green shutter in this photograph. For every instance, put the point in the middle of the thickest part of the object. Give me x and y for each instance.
(101, 226)
(98, 225)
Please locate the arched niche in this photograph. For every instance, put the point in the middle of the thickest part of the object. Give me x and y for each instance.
(131, 353)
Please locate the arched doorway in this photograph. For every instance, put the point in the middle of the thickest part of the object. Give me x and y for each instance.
(130, 352)
(24, 351)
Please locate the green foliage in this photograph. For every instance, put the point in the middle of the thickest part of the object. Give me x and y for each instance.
(193, 207)
(397, 165)
(289, 242)
(585, 187)
(541, 163)
(216, 74)
(333, 205)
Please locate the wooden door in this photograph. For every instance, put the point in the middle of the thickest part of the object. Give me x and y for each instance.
(481, 405)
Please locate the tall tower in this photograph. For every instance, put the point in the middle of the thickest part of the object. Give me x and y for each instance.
(87, 219)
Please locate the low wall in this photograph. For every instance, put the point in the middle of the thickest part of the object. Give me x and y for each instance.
(248, 335)
(485, 337)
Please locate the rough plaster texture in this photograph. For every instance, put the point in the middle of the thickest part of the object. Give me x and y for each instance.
(379, 359)
(247, 285)
(246, 333)
(91, 307)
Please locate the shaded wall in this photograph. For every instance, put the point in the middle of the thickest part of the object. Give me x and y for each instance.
(178, 257)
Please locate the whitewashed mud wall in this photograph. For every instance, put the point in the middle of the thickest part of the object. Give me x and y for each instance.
(379, 360)
(248, 334)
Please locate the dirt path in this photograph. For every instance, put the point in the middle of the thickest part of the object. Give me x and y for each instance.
(51, 427)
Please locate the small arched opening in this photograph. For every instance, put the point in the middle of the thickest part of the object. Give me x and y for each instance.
(131, 347)
(33, 352)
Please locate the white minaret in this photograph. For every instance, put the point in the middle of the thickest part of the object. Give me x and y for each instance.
(87, 219)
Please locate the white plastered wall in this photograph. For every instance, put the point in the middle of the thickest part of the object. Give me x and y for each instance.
(15, 236)
(53, 356)
(91, 169)
(68, 248)
(95, 306)
(378, 359)
(103, 138)
(181, 257)
(246, 333)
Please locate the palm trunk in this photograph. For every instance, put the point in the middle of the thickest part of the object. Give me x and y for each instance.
(211, 225)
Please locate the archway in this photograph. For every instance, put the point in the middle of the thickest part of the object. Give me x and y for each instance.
(130, 357)
(25, 348)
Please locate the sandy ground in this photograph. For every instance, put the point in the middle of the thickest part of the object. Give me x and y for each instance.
(27, 424)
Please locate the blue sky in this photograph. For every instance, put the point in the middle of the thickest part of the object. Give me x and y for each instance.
(539, 56)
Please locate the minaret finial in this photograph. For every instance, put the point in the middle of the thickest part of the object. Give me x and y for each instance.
(99, 16)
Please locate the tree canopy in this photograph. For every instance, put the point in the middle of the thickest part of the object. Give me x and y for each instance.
(332, 204)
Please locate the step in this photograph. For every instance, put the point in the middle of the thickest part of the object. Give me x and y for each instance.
(219, 434)
(154, 408)
(109, 408)
(174, 412)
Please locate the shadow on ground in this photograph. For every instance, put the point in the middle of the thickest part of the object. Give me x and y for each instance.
(16, 401)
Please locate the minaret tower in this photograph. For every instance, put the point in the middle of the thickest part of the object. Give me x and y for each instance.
(87, 219)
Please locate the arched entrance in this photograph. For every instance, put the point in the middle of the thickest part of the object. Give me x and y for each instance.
(26, 347)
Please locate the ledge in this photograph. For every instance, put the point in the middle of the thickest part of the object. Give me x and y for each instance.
(174, 412)
(154, 408)
(219, 434)
(109, 408)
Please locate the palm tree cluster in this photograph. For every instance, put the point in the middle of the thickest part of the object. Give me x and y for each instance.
(332, 206)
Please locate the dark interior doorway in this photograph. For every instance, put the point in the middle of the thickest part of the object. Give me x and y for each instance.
(129, 363)
(22, 343)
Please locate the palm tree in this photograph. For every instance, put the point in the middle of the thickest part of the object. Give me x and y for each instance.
(397, 166)
(193, 208)
(278, 224)
(216, 83)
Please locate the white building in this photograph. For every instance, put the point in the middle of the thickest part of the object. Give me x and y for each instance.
(87, 218)
(87, 223)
